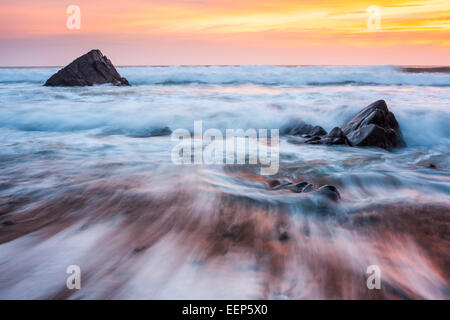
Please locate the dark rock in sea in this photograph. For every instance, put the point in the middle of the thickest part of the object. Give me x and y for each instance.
(139, 249)
(87, 70)
(297, 128)
(374, 126)
(280, 186)
(318, 131)
(274, 183)
(161, 132)
(303, 129)
(314, 140)
(298, 187)
(329, 192)
(282, 233)
(309, 187)
(432, 166)
(283, 236)
(153, 133)
(336, 136)
(293, 187)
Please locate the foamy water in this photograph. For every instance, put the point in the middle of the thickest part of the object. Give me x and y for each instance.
(81, 182)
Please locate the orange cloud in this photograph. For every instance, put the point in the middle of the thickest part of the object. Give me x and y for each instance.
(287, 24)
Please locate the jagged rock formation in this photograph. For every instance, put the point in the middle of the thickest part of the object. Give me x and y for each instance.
(373, 126)
(87, 70)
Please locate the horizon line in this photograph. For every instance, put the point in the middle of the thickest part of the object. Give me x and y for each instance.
(243, 65)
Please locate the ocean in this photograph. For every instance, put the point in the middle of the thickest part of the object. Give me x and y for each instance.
(84, 181)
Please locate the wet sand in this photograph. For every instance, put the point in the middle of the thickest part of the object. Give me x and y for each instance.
(143, 242)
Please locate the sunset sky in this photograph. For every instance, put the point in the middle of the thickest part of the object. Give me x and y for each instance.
(165, 32)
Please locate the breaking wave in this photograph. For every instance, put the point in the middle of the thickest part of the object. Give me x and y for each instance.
(258, 75)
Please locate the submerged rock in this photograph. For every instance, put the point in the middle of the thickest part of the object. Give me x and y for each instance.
(300, 128)
(274, 183)
(309, 188)
(158, 132)
(336, 136)
(139, 249)
(298, 187)
(283, 236)
(161, 132)
(318, 131)
(374, 126)
(327, 191)
(330, 192)
(87, 70)
(297, 128)
(140, 133)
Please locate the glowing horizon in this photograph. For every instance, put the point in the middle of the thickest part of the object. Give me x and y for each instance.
(158, 32)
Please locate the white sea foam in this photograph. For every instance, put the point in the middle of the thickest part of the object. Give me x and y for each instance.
(199, 93)
(261, 75)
